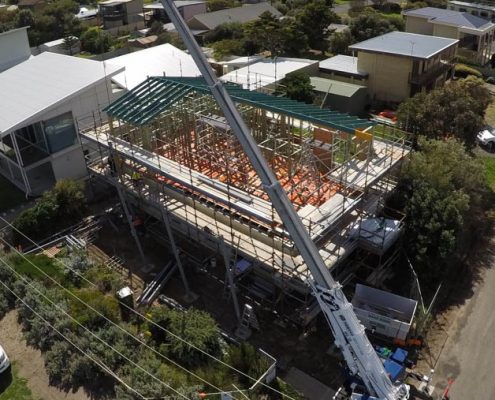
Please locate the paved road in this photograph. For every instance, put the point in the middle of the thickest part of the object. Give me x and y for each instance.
(469, 354)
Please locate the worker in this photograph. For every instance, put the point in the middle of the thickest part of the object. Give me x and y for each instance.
(111, 165)
(136, 178)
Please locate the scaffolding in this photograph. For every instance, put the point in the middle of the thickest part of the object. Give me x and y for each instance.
(168, 146)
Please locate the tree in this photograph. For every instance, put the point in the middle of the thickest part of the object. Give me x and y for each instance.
(25, 18)
(194, 326)
(369, 25)
(266, 30)
(227, 47)
(339, 42)
(228, 30)
(95, 40)
(69, 43)
(456, 109)
(313, 20)
(156, 28)
(441, 189)
(216, 5)
(279, 37)
(298, 87)
(56, 209)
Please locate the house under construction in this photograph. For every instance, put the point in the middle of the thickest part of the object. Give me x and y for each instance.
(170, 135)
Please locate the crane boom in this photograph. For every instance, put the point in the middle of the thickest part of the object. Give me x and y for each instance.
(348, 332)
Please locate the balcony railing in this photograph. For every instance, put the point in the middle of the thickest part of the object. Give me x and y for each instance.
(430, 75)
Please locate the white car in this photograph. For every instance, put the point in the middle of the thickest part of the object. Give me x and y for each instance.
(4, 360)
(487, 138)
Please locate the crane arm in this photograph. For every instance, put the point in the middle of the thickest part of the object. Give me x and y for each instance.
(347, 330)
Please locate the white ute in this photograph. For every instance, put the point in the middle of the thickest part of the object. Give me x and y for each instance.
(4, 360)
(486, 138)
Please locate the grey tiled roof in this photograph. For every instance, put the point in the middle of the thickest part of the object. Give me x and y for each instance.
(450, 17)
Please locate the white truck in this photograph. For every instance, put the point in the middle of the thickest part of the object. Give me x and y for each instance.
(486, 138)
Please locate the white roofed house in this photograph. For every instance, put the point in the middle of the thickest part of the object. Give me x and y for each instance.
(400, 64)
(265, 74)
(162, 60)
(187, 8)
(42, 98)
(475, 34)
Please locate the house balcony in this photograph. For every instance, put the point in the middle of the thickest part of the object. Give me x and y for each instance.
(431, 75)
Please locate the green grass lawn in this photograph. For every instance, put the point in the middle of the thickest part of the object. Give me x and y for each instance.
(17, 389)
(337, 2)
(489, 170)
(10, 196)
(490, 114)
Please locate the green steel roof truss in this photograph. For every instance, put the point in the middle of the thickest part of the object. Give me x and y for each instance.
(150, 98)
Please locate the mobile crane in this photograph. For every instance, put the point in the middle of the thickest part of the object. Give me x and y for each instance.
(348, 332)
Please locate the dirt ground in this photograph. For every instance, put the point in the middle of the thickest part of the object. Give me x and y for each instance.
(30, 363)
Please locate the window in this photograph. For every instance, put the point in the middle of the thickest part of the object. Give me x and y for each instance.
(60, 132)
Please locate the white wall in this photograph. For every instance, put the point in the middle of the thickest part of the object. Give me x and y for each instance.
(69, 164)
(14, 48)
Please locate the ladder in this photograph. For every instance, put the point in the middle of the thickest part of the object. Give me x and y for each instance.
(248, 321)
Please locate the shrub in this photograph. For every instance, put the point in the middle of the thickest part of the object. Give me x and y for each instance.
(96, 41)
(107, 305)
(463, 71)
(56, 209)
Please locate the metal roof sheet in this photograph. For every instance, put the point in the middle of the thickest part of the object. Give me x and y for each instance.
(153, 96)
(405, 44)
(36, 85)
(335, 87)
(450, 17)
(159, 60)
(178, 4)
(266, 71)
(478, 6)
(246, 13)
(342, 63)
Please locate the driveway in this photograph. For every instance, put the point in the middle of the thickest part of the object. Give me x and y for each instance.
(469, 353)
(30, 363)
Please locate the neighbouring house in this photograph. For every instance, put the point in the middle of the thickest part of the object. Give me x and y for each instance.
(60, 46)
(187, 8)
(162, 60)
(238, 62)
(266, 74)
(340, 96)
(38, 132)
(401, 64)
(483, 10)
(119, 13)
(343, 68)
(475, 34)
(14, 47)
(144, 42)
(247, 13)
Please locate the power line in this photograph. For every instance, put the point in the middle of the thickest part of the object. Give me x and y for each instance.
(30, 284)
(211, 356)
(86, 354)
(110, 321)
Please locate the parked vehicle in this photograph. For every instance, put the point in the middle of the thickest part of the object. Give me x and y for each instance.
(4, 360)
(487, 138)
